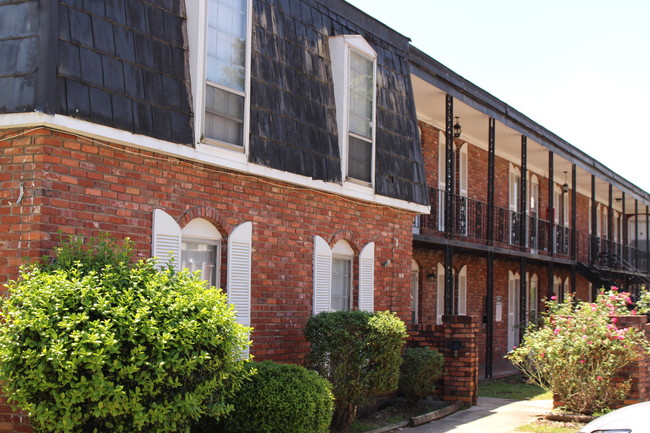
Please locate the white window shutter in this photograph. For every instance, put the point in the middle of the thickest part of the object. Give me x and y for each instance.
(322, 275)
(367, 278)
(463, 171)
(239, 271)
(462, 291)
(166, 239)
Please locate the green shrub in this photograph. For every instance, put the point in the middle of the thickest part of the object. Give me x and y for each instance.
(578, 351)
(128, 349)
(359, 353)
(421, 368)
(280, 398)
(94, 254)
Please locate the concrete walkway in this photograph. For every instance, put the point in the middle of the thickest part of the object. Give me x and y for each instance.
(491, 415)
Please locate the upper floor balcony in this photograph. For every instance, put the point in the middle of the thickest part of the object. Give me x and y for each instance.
(475, 223)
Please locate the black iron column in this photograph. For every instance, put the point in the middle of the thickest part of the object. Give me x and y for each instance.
(636, 233)
(594, 221)
(551, 220)
(449, 204)
(625, 253)
(647, 239)
(489, 298)
(551, 206)
(523, 235)
(610, 219)
(574, 226)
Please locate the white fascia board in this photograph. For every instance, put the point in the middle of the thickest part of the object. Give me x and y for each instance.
(206, 154)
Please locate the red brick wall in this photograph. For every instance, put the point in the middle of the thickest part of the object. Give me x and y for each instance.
(80, 186)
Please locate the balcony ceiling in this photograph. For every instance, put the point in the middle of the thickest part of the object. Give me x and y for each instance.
(430, 106)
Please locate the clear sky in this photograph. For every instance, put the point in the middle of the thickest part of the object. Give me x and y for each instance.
(580, 68)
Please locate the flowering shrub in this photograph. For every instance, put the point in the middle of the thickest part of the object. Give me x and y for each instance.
(643, 304)
(578, 350)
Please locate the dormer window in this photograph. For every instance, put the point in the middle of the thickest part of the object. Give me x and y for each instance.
(354, 66)
(220, 39)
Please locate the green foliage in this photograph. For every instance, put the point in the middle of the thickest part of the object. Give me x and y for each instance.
(578, 350)
(359, 353)
(643, 304)
(123, 348)
(280, 398)
(421, 368)
(93, 255)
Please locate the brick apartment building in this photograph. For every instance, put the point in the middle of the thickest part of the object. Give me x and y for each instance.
(304, 157)
(518, 215)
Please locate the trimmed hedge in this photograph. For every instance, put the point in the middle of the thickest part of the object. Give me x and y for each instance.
(281, 398)
(359, 353)
(101, 344)
(421, 368)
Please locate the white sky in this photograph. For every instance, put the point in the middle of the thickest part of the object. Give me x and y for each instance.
(580, 68)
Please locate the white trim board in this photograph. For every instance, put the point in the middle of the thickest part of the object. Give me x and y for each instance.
(206, 154)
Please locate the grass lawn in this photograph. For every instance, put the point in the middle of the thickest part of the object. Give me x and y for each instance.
(512, 387)
(544, 426)
(393, 414)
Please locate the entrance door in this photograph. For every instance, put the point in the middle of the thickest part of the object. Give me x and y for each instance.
(513, 310)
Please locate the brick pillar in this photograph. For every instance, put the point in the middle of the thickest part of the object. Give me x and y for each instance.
(638, 369)
(461, 350)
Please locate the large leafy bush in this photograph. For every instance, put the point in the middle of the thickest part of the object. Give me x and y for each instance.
(578, 351)
(421, 368)
(101, 344)
(281, 398)
(359, 353)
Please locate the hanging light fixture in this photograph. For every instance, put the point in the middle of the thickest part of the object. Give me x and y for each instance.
(565, 187)
(457, 129)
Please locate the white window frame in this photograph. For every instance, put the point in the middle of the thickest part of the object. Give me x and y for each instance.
(166, 242)
(514, 191)
(440, 294)
(442, 179)
(340, 48)
(201, 231)
(533, 296)
(463, 182)
(462, 291)
(322, 275)
(415, 291)
(533, 213)
(459, 302)
(343, 252)
(197, 35)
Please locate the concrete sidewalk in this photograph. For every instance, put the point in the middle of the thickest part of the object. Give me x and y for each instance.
(491, 415)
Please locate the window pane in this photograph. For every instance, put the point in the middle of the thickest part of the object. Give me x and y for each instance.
(224, 114)
(196, 256)
(359, 159)
(226, 43)
(361, 92)
(341, 284)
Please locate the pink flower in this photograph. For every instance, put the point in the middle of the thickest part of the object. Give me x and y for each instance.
(599, 378)
(582, 361)
(553, 298)
(556, 331)
(614, 320)
(633, 312)
(614, 288)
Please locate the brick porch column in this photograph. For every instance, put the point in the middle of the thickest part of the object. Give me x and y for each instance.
(460, 347)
